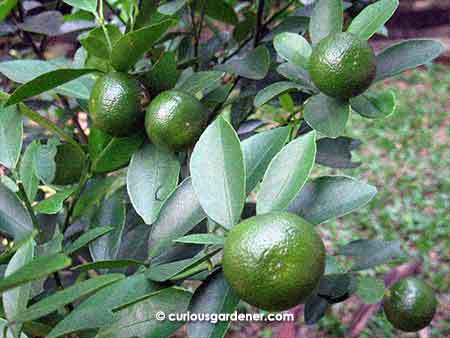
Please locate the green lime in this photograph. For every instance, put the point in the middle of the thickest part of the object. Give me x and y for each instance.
(342, 65)
(115, 104)
(69, 164)
(274, 261)
(410, 305)
(175, 119)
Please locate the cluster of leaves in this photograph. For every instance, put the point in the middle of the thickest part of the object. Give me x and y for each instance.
(121, 242)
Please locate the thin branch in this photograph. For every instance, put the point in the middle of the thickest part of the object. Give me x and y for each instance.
(259, 23)
(198, 33)
(27, 36)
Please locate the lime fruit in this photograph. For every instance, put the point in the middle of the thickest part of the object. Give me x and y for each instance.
(342, 65)
(175, 119)
(274, 261)
(115, 104)
(410, 305)
(69, 162)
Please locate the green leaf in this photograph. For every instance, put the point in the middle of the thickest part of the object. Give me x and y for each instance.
(219, 10)
(328, 197)
(218, 154)
(110, 153)
(23, 71)
(326, 18)
(214, 296)
(14, 219)
(4, 323)
(315, 309)
(406, 55)
(107, 264)
(371, 290)
(15, 301)
(335, 286)
(45, 82)
(95, 43)
(86, 5)
(259, 150)
(372, 18)
(298, 75)
(273, 90)
(327, 115)
(6, 7)
(11, 132)
(254, 66)
(201, 83)
(36, 269)
(27, 172)
(96, 311)
(152, 177)
(112, 212)
(286, 174)
(44, 160)
(374, 105)
(57, 300)
(337, 152)
(179, 215)
(171, 7)
(86, 238)
(167, 271)
(293, 48)
(207, 239)
(163, 75)
(54, 203)
(138, 319)
(132, 46)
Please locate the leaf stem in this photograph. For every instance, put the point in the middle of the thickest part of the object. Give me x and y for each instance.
(24, 197)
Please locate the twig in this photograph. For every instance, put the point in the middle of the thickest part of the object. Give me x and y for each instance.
(197, 34)
(258, 24)
(27, 36)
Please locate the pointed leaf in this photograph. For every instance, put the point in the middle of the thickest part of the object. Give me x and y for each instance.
(372, 18)
(86, 238)
(4, 323)
(163, 75)
(207, 239)
(201, 83)
(214, 296)
(298, 75)
(406, 55)
(132, 46)
(327, 115)
(293, 48)
(286, 174)
(336, 152)
(259, 150)
(326, 18)
(272, 91)
(54, 203)
(374, 105)
(218, 173)
(329, 197)
(107, 264)
(27, 172)
(11, 132)
(86, 5)
(220, 10)
(152, 177)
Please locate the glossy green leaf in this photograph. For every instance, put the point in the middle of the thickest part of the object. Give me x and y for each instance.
(179, 215)
(214, 296)
(95, 43)
(218, 154)
(337, 152)
(328, 197)
(171, 7)
(132, 46)
(59, 299)
(27, 172)
(86, 5)
(138, 319)
(4, 323)
(163, 75)
(96, 311)
(201, 83)
(286, 174)
(107, 264)
(370, 289)
(274, 90)
(54, 203)
(152, 177)
(14, 219)
(298, 75)
(219, 10)
(36, 269)
(15, 300)
(255, 65)
(374, 105)
(86, 238)
(326, 18)
(6, 7)
(23, 71)
(45, 82)
(11, 132)
(406, 55)
(335, 286)
(44, 160)
(167, 271)
(259, 150)
(372, 18)
(293, 48)
(327, 115)
(207, 239)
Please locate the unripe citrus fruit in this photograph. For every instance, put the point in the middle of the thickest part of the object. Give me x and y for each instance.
(342, 65)
(115, 104)
(410, 305)
(274, 261)
(175, 119)
(69, 164)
